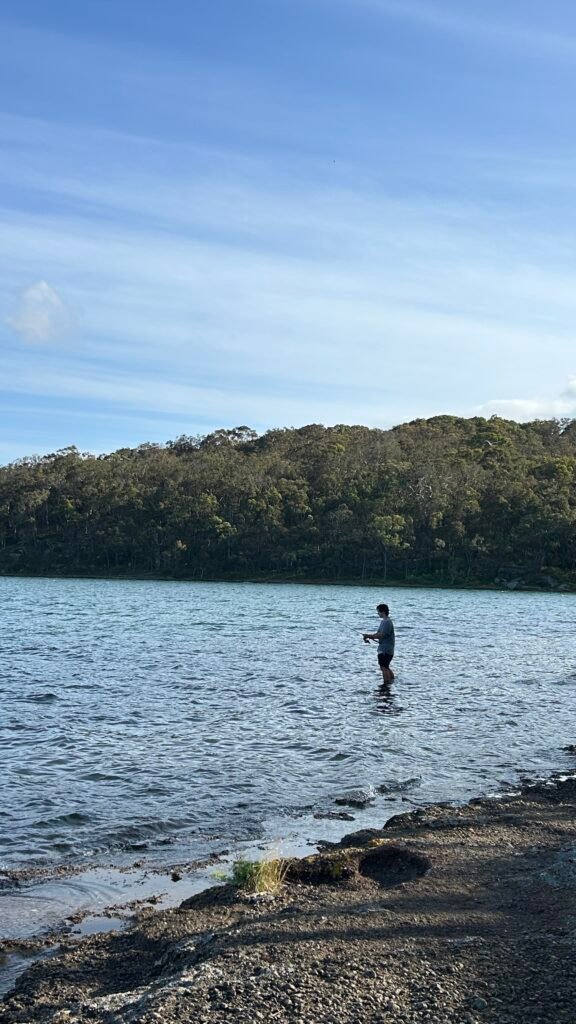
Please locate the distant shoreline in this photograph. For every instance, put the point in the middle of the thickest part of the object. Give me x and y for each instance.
(513, 586)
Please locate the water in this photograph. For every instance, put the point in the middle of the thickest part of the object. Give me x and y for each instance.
(167, 718)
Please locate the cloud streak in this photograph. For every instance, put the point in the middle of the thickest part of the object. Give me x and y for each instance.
(235, 284)
(360, 240)
(533, 41)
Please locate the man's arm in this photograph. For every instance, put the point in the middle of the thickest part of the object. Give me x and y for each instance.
(380, 632)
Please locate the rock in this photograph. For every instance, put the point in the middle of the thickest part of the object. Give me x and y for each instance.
(362, 837)
(357, 799)
(399, 785)
(335, 815)
(390, 864)
(321, 869)
(403, 820)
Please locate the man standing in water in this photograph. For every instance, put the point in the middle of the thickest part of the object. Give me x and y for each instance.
(385, 637)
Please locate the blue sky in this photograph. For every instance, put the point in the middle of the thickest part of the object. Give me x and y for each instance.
(277, 212)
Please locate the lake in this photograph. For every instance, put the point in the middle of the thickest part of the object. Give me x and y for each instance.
(173, 718)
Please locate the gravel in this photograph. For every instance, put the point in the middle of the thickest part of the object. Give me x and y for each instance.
(485, 934)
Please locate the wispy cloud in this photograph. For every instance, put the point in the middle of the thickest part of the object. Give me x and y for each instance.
(40, 315)
(260, 286)
(489, 28)
(180, 398)
(524, 409)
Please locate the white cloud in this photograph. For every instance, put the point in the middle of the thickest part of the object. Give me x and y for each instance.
(40, 315)
(524, 409)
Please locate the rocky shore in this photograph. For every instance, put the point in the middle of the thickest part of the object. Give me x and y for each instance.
(444, 916)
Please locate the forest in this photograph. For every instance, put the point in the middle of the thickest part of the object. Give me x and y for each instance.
(446, 501)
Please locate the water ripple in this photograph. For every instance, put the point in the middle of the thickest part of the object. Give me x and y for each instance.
(146, 714)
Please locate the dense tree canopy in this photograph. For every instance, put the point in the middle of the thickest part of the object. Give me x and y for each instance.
(441, 500)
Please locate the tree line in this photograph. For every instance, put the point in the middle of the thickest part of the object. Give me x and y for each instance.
(442, 500)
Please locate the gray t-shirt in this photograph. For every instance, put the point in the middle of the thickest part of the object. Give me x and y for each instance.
(385, 634)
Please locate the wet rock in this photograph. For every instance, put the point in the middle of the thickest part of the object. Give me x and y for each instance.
(335, 815)
(556, 791)
(410, 818)
(357, 798)
(400, 785)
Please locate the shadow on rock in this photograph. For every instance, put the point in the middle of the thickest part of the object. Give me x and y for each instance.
(386, 863)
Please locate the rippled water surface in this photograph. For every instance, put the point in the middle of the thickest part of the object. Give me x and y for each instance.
(167, 717)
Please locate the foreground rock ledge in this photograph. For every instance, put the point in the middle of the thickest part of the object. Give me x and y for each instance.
(445, 915)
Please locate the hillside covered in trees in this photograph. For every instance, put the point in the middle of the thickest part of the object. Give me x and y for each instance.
(444, 500)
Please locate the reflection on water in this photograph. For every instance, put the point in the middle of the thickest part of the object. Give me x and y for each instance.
(169, 719)
(387, 700)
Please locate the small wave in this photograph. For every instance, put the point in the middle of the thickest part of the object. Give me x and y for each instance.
(142, 836)
(73, 818)
(356, 797)
(100, 777)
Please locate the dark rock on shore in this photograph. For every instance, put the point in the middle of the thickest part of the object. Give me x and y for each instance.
(360, 838)
(334, 815)
(386, 863)
(358, 799)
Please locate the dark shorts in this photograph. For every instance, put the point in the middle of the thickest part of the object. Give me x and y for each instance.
(384, 660)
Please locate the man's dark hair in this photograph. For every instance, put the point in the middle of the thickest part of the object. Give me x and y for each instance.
(383, 608)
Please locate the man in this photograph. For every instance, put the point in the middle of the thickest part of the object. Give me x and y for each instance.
(385, 637)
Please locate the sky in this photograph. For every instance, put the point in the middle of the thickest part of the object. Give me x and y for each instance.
(279, 212)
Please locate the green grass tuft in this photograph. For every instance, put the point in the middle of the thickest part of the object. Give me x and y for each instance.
(258, 875)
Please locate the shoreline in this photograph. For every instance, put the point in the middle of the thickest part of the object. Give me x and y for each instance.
(511, 586)
(447, 913)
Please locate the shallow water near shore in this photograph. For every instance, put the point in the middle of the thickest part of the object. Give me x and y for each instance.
(166, 720)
